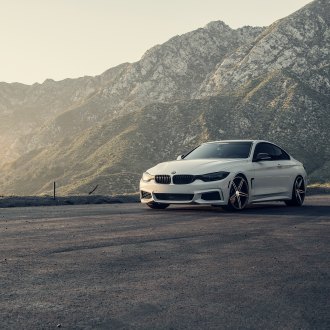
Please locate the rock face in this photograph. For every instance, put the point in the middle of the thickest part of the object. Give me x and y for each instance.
(299, 43)
(213, 83)
(27, 110)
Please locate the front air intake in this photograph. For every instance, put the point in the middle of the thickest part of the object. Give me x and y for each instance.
(145, 195)
(175, 197)
(211, 196)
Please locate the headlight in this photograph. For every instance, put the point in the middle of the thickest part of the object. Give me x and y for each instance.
(146, 177)
(216, 176)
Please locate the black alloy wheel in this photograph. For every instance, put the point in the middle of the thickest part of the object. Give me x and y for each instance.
(238, 194)
(298, 192)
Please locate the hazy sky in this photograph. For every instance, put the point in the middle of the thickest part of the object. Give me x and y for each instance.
(70, 38)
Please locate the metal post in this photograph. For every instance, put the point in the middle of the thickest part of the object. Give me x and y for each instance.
(54, 190)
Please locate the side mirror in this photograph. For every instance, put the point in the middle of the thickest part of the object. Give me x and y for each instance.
(180, 157)
(263, 156)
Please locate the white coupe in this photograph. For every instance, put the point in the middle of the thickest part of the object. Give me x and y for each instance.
(230, 174)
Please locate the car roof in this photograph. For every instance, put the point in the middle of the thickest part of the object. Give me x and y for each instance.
(227, 141)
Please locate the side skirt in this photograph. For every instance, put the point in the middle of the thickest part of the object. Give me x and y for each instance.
(269, 197)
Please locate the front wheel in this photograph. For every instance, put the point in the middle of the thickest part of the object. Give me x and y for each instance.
(158, 206)
(298, 192)
(238, 194)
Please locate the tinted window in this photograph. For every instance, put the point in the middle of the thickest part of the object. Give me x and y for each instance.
(221, 150)
(275, 152)
(279, 154)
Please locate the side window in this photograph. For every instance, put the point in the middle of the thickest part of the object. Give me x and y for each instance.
(279, 154)
(263, 148)
(285, 155)
(275, 152)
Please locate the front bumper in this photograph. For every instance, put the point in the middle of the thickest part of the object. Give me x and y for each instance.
(198, 192)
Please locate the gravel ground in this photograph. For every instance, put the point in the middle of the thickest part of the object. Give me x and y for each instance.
(124, 266)
(26, 201)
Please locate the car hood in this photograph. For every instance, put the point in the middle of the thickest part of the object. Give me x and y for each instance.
(195, 166)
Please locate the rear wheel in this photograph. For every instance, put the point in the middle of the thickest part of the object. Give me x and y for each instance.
(298, 192)
(158, 206)
(238, 194)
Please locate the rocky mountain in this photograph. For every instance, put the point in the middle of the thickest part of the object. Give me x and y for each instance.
(166, 73)
(212, 83)
(298, 43)
(24, 110)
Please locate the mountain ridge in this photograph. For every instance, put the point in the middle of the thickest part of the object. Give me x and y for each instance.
(130, 86)
(270, 51)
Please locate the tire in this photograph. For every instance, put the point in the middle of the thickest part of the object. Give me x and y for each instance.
(298, 192)
(238, 194)
(158, 206)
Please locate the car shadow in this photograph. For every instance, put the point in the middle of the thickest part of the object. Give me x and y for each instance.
(277, 208)
(282, 209)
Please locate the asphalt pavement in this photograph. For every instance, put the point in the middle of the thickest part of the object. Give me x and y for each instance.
(124, 266)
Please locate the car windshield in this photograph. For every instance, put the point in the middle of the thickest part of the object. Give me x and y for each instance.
(221, 150)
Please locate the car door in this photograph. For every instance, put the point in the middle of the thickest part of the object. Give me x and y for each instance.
(285, 165)
(270, 178)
